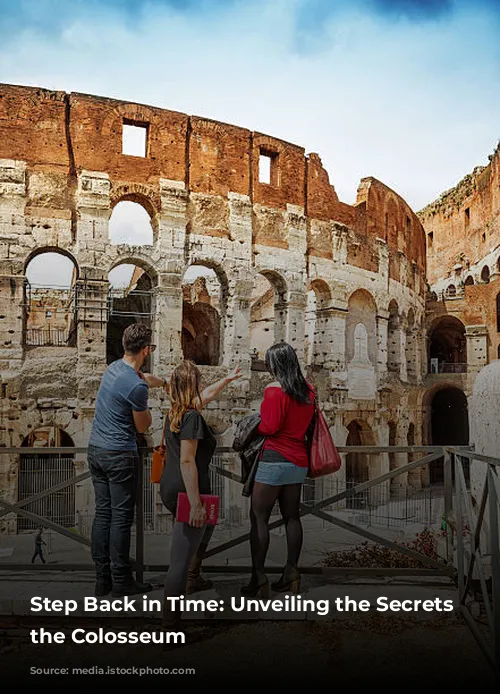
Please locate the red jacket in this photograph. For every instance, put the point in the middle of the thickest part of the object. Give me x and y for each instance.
(285, 422)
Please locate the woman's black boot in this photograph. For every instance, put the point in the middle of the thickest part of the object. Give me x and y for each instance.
(288, 581)
(258, 586)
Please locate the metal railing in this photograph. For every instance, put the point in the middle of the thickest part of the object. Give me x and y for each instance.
(49, 337)
(446, 367)
(471, 535)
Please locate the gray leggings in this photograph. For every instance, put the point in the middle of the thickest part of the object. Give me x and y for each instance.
(187, 541)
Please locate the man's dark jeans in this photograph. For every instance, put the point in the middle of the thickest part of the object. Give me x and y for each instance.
(114, 475)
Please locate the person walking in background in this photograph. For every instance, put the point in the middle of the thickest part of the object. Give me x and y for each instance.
(38, 546)
(286, 414)
(190, 445)
(121, 412)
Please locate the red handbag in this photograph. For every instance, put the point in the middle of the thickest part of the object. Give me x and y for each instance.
(324, 457)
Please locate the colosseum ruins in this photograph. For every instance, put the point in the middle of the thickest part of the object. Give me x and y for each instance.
(244, 243)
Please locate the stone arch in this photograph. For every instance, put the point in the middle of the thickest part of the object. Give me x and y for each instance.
(39, 470)
(268, 313)
(144, 195)
(469, 281)
(204, 311)
(448, 425)
(317, 323)
(451, 291)
(142, 213)
(447, 345)
(130, 299)
(52, 249)
(49, 301)
(485, 274)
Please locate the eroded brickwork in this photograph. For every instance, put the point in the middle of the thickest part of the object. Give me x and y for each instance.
(62, 172)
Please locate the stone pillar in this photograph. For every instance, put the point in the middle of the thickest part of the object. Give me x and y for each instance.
(335, 339)
(382, 335)
(403, 372)
(93, 211)
(477, 346)
(295, 325)
(167, 322)
(484, 415)
(12, 233)
(237, 329)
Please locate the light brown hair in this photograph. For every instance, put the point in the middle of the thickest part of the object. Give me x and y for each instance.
(184, 393)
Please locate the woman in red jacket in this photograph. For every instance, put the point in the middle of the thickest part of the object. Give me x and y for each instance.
(286, 414)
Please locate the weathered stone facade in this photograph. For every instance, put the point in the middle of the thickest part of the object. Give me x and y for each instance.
(62, 171)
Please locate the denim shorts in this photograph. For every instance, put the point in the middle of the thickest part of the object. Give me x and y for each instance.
(276, 474)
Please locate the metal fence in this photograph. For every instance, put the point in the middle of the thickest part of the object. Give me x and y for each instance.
(472, 533)
(49, 337)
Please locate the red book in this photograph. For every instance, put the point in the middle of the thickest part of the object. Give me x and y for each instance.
(209, 501)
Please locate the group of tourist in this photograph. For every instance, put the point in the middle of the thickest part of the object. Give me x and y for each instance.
(121, 413)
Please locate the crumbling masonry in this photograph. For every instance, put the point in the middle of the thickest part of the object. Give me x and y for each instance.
(63, 171)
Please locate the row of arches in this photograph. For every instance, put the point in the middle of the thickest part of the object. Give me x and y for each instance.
(447, 424)
(51, 313)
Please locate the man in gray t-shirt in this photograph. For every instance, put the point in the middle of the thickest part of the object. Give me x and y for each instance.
(121, 412)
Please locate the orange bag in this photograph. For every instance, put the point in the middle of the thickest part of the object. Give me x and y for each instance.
(159, 458)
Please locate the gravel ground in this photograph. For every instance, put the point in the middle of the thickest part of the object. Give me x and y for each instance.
(366, 650)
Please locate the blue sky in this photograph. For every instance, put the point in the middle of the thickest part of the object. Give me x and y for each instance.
(404, 90)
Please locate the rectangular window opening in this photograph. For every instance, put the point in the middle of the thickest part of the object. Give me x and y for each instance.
(430, 237)
(134, 138)
(268, 168)
(467, 216)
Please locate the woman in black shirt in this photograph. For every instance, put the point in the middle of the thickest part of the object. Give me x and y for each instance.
(190, 446)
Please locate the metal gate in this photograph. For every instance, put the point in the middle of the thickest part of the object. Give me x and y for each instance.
(41, 471)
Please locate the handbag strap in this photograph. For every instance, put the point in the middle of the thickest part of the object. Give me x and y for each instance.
(163, 431)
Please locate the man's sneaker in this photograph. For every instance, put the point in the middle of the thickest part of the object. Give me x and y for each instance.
(102, 588)
(131, 589)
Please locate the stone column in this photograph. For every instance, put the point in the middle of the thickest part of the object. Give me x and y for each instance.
(295, 325)
(403, 373)
(12, 233)
(477, 346)
(168, 299)
(237, 329)
(382, 335)
(335, 342)
(93, 211)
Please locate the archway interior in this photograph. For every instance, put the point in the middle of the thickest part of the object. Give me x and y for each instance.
(49, 301)
(449, 426)
(130, 224)
(448, 345)
(267, 316)
(130, 300)
(40, 470)
(202, 316)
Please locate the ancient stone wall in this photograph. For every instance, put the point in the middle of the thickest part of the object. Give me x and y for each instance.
(63, 171)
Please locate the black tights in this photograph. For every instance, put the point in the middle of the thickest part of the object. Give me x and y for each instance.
(264, 497)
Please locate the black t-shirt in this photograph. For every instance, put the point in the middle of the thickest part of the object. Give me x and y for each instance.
(193, 426)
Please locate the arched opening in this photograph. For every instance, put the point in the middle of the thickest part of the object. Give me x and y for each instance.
(318, 344)
(267, 315)
(39, 471)
(393, 339)
(358, 464)
(498, 312)
(130, 301)
(469, 281)
(203, 313)
(49, 300)
(485, 274)
(449, 426)
(451, 291)
(498, 351)
(130, 223)
(447, 346)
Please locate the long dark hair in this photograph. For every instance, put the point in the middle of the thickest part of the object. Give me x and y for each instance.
(283, 365)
